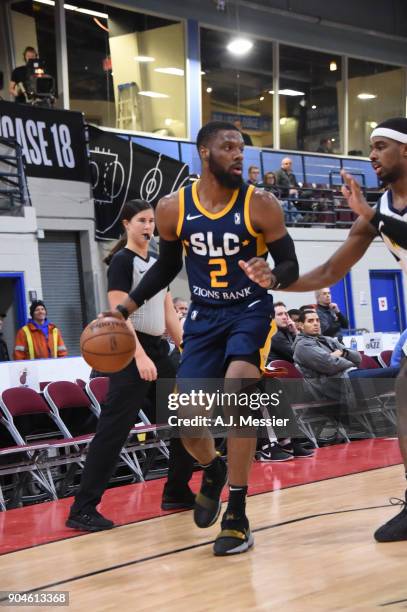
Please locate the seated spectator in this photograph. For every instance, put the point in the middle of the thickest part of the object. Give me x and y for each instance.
(4, 354)
(286, 180)
(399, 351)
(282, 341)
(39, 339)
(181, 307)
(332, 320)
(323, 360)
(269, 184)
(294, 314)
(254, 173)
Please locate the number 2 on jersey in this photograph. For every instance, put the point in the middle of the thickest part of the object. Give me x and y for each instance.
(221, 271)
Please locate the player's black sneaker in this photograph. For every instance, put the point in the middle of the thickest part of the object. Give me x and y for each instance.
(208, 503)
(88, 520)
(178, 500)
(235, 536)
(395, 530)
(297, 450)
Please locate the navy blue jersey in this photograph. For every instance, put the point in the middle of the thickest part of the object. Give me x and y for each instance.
(213, 245)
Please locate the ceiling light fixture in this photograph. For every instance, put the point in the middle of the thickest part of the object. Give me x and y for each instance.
(173, 71)
(78, 9)
(261, 98)
(333, 66)
(291, 92)
(239, 46)
(313, 106)
(209, 90)
(143, 58)
(153, 94)
(366, 96)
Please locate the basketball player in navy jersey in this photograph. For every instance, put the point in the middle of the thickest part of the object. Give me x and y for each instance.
(226, 229)
(389, 220)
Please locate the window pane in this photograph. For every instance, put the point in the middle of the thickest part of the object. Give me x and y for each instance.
(237, 87)
(376, 92)
(127, 69)
(310, 90)
(34, 26)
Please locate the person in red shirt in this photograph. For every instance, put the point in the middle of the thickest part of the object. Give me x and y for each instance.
(39, 339)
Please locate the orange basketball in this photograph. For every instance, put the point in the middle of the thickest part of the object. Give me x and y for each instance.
(107, 344)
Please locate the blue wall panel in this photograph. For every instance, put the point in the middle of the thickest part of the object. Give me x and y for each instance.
(317, 169)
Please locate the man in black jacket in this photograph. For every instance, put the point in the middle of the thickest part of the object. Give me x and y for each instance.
(281, 346)
(332, 320)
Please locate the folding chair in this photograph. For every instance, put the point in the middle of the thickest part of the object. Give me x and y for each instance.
(64, 395)
(384, 358)
(301, 409)
(97, 389)
(368, 363)
(23, 401)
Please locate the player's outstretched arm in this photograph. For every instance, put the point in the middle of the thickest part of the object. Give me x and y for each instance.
(267, 217)
(356, 244)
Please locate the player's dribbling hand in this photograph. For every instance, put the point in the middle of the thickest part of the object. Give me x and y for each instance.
(352, 193)
(258, 270)
(146, 367)
(111, 313)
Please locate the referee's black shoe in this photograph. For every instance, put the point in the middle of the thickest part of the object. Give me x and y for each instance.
(235, 536)
(88, 519)
(178, 500)
(208, 503)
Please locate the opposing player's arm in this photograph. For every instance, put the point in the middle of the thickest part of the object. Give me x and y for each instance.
(356, 244)
(169, 262)
(267, 218)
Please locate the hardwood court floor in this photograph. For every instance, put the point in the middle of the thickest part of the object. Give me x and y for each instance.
(313, 551)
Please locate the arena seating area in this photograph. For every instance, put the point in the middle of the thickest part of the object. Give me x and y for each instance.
(44, 436)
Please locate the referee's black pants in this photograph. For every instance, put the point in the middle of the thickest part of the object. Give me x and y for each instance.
(127, 394)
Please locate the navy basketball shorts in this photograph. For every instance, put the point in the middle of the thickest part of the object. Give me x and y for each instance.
(213, 335)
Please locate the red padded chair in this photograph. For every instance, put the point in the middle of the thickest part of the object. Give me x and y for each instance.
(97, 389)
(368, 363)
(280, 368)
(23, 401)
(384, 358)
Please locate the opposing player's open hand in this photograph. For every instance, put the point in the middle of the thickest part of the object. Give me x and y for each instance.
(258, 270)
(352, 192)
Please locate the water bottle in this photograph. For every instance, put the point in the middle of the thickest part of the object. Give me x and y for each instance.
(353, 344)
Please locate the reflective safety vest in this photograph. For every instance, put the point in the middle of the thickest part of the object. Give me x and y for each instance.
(30, 343)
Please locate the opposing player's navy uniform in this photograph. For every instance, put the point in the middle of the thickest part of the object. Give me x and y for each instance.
(385, 206)
(229, 314)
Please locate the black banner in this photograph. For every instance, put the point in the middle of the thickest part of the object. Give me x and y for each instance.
(53, 141)
(122, 170)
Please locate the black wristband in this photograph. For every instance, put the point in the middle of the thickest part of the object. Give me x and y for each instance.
(123, 311)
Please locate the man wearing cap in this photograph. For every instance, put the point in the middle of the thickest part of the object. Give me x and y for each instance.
(39, 339)
(4, 356)
(388, 219)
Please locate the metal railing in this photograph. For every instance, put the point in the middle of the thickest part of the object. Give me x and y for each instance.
(13, 185)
